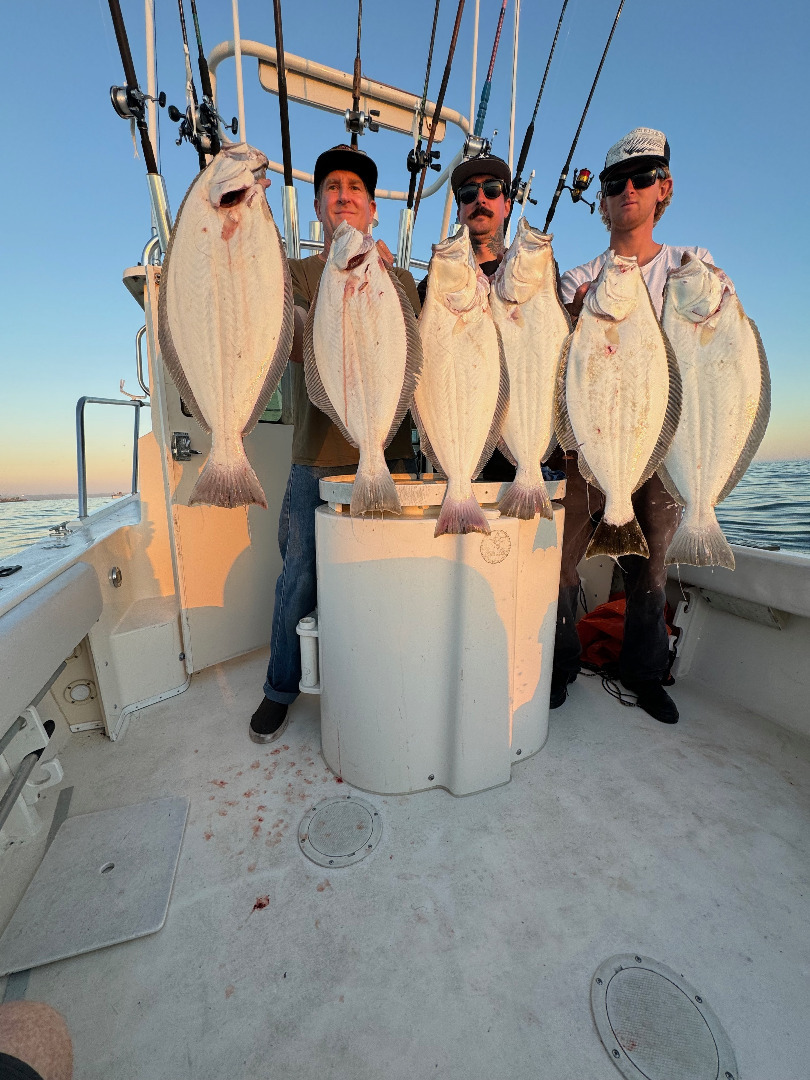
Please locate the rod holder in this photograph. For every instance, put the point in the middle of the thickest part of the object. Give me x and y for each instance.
(161, 214)
(405, 238)
(289, 213)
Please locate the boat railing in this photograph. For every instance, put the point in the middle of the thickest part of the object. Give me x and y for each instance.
(139, 360)
(316, 246)
(81, 456)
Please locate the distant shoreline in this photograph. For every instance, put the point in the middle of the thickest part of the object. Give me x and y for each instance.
(57, 495)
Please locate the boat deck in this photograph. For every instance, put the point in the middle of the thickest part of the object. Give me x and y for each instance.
(463, 946)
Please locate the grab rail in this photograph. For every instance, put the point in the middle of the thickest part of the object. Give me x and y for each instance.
(139, 360)
(81, 461)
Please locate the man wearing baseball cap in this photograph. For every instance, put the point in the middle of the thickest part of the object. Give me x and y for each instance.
(481, 186)
(636, 190)
(345, 181)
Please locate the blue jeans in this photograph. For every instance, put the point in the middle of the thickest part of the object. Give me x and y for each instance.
(296, 588)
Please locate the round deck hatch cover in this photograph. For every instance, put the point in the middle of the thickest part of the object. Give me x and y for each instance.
(655, 1026)
(340, 831)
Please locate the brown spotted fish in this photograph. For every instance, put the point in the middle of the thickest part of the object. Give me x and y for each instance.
(619, 399)
(225, 315)
(726, 405)
(362, 357)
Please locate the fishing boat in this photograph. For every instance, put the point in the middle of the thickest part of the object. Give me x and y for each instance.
(608, 893)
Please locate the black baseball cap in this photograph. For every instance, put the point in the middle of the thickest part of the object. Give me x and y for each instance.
(482, 165)
(344, 158)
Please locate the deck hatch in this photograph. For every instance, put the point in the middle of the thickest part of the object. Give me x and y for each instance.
(340, 831)
(655, 1026)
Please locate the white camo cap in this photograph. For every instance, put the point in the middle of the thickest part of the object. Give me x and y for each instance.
(641, 142)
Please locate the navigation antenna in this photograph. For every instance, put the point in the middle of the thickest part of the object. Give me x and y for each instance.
(580, 179)
(356, 121)
(520, 190)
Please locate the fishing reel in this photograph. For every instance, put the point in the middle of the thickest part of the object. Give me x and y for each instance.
(357, 121)
(477, 146)
(520, 193)
(581, 183)
(199, 126)
(418, 160)
(130, 102)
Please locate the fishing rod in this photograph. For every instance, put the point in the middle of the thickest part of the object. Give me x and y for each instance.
(519, 193)
(439, 103)
(356, 121)
(198, 124)
(289, 202)
(130, 102)
(416, 156)
(582, 177)
(487, 87)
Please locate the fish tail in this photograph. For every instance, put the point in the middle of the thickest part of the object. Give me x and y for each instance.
(618, 540)
(460, 516)
(700, 545)
(224, 484)
(374, 490)
(526, 500)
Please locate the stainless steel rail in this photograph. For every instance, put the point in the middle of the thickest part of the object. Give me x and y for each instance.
(81, 461)
(18, 782)
(139, 360)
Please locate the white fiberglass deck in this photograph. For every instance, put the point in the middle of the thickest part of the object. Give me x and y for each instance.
(464, 945)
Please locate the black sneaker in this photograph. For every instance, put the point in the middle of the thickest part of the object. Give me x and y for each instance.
(653, 699)
(269, 721)
(560, 681)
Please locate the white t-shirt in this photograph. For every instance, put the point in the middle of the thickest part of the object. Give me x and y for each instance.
(654, 273)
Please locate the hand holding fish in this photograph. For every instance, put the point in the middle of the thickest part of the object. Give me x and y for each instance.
(575, 307)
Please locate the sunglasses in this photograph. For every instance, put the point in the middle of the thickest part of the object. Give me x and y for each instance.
(640, 180)
(468, 193)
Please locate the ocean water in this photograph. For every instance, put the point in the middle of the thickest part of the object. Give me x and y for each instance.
(24, 523)
(769, 508)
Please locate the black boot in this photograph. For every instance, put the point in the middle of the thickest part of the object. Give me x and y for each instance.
(269, 721)
(560, 681)
(653, 699)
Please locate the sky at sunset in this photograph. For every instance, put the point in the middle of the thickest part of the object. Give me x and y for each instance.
(726, 81)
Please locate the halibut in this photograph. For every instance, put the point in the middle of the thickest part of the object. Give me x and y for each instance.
(619, 399)
(362, 359)
(726, 405)
(225, 315)
(461, 402)
(533, 325)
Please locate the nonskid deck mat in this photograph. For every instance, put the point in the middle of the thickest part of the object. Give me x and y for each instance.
(655, 1025)
(106, 878)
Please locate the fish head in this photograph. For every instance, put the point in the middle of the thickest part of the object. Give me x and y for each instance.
(453, 275)
(615, 293)
(235, 176)
(695, 289)
(349, 246)
(525, 265)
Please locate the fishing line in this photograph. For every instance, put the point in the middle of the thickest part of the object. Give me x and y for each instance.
(439, 102)
(566, 167)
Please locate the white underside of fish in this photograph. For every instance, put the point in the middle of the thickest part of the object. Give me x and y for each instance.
(363, 357)
(533, 331)
(225, 323)
(618, 405)
(726, 404)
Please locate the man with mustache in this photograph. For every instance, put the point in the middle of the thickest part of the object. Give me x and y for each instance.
(481, 186)
(636, 190)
